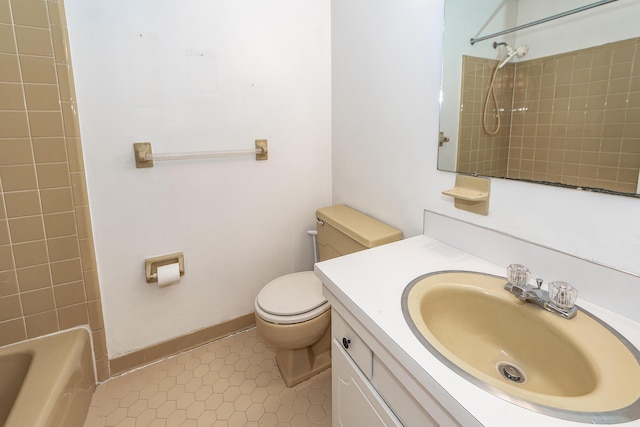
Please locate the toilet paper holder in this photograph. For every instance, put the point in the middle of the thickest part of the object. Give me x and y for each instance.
(151, 265)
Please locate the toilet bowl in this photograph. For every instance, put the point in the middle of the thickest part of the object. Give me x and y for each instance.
(293, 316)
(290, 311)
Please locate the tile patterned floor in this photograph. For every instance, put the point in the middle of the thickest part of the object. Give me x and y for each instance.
(230, 382)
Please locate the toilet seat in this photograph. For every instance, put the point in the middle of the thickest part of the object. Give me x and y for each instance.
(292, 298)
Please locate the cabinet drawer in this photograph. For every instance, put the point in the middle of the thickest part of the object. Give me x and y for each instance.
(352, 344)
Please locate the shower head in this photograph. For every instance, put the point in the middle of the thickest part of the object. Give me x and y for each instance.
(519, 52)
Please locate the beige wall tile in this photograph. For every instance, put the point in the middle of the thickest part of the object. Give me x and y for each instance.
(630, 160)
(9, 68)
(8, 283)
(13, 124)
(4, 233)
(15, 152)
(621, 70)
(624, 51)
(73, 315)
(44, 188)
(600, 73)
(79, 188)
(633, 115)
(26, 229)
(39, 301)
(83, 222)
(70, 116)
(31, 278)
(87, 254)
(56, 13)
(53, 175)
(7, 40)
(583, 60)
(65, 82)
(32, 13)
(619, 85)
(34, 41)
(99, 340)
(42, 97)
(601, 57)
(74, 154)
(66, 271)
(628, 176)
(37, 69)
(5, 12)
(49, 150)
(615, 115)
(91, 286)
(45, 123)
(607, 173)
(60, 224)
(41, 324)
(11, 97)
(60, 45)
(10, 308)
(69, 294)
(12, 331)
(56, 200)
(22, 203)
(63, 248)
(18, 178)
(102, 369)
(611, 146)
(30, 254)
(95, 315)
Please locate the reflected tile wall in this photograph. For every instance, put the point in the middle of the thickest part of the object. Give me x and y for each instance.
(479, 152)
(48, 278)
(574, 118)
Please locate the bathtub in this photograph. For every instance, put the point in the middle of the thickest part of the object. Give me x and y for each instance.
(47, 381)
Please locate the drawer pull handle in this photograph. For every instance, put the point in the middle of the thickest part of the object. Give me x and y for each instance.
(346, 342)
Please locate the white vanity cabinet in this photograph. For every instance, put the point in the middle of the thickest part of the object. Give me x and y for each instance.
(354, 400)
(369, 388)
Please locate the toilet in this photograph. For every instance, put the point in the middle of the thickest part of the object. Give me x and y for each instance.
(290, 311)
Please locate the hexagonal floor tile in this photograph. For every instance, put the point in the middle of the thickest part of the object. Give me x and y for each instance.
(230, 382)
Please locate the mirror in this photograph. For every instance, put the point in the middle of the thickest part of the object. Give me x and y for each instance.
(567, 93)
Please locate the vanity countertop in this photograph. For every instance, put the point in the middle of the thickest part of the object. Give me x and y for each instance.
(370, 285)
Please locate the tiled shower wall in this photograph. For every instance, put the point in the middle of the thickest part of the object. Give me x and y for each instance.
(575, 117)
(477, 150)
(48, 277)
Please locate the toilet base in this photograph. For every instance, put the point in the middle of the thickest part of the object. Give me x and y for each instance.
(300, 364)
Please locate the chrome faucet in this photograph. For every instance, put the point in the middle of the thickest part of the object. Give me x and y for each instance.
(535, 294)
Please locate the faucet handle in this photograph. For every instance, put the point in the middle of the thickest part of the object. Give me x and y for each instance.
(539, 282)
(518, 275)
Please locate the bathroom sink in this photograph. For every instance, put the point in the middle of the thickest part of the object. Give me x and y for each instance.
(578, 369)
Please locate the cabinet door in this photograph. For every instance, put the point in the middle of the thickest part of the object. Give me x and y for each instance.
(354, 401)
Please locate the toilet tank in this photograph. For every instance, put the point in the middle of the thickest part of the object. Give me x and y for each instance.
(342, 230)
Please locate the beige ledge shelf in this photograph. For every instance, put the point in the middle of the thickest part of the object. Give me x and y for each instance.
(466, 194)
(471, 193)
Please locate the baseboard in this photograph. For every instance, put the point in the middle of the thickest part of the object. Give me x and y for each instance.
(136, 359)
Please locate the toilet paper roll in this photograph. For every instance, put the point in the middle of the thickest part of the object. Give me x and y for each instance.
(168, 274)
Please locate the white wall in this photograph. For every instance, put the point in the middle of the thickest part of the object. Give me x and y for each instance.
(386, 81)
(195, 75)
(385, 63)
(594, 27)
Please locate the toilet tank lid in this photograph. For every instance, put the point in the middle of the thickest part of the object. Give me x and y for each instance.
(362, 228)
